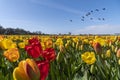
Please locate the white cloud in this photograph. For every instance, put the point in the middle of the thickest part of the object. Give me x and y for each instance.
(99, 29)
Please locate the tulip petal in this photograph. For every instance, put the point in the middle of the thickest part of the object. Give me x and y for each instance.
(19, 72)
(44, 69)
(32, 70)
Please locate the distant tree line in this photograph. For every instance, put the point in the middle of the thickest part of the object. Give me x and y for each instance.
(17, 31)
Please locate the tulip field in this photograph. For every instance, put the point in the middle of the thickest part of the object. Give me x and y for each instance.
(63, 57)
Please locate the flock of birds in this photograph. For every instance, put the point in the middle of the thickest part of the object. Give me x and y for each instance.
(90, 13)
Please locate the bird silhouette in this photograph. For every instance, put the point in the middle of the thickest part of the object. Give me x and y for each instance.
(103, 18)
(91, 13)
(99, 18)
(88, 14)
(104, 9)
(91, 18)
(96, 9)
(82, 19)
(71, 20)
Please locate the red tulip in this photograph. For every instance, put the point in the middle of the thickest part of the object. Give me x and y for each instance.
(34, 49)
(44, 69)
(49, 54)
(33, 40)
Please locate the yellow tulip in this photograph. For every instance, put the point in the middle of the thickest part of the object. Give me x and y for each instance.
(59, 42)
(48, 43)
(13, 45)
(7, 44)
(101, 41)
(85, 41)
(21, 45)
(12, 54)
(26, 70)
(108, 53)
(75, 40)
(19, 72)
(25, 41)
(43, 45)
(88, 57)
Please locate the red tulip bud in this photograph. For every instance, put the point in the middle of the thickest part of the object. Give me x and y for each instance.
(97, 47)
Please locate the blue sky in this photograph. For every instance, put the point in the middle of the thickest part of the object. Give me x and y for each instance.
(53, 16)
